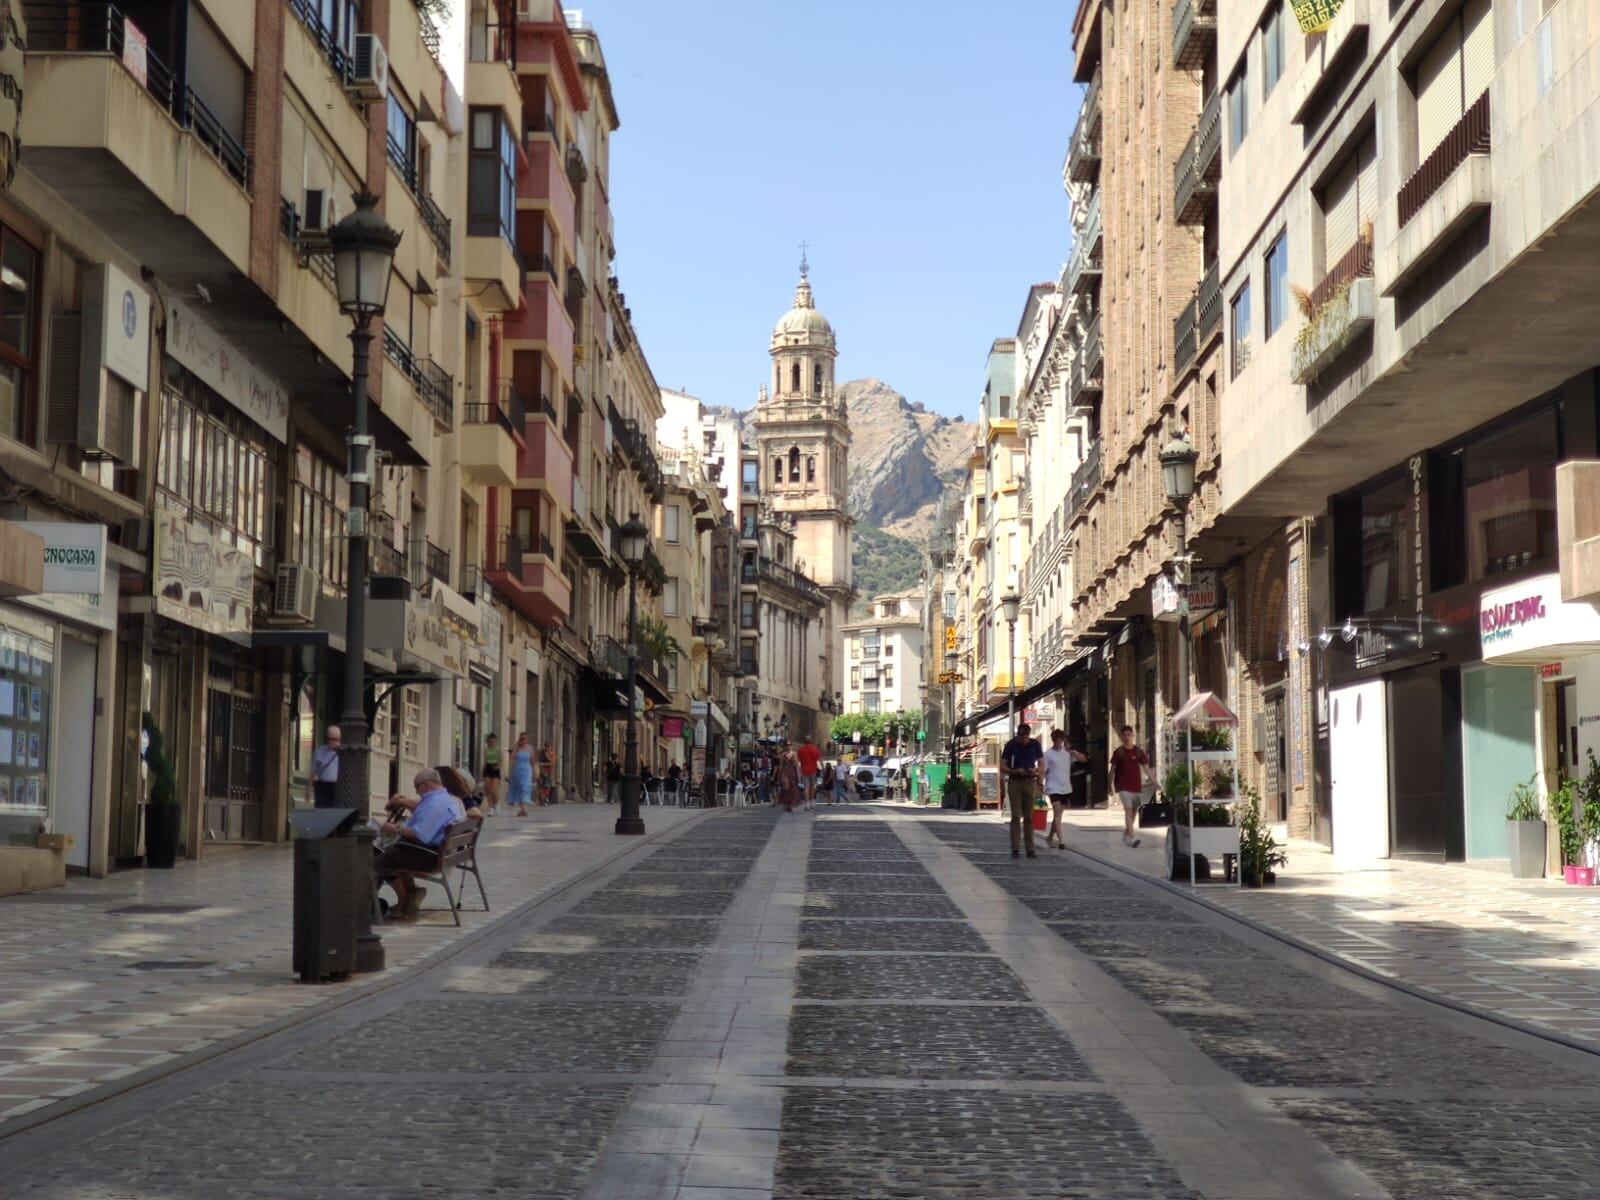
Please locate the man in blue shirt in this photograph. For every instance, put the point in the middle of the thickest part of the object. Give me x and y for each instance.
(325, 771)
(1019, 766)
(419, 836)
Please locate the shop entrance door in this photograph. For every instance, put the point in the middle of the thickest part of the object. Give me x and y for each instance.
(234, 736)
(1359, 732)
(1566, 729)
(74, 771)
(1274, 747)
(1498, 751)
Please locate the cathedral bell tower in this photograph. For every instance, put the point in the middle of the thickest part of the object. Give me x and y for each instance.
(803, 434)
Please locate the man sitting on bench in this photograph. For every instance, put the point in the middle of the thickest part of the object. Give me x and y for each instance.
(432, 811)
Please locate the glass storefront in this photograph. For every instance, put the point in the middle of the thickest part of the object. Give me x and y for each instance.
(27, 701)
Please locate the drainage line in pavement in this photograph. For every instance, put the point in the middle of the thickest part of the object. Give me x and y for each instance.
(116, 1089)
(1289, 939)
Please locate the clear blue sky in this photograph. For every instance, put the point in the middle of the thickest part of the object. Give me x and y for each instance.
(916, 144)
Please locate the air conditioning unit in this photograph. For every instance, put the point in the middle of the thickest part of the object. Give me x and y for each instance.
(88, 406)
(296, 592)
(369, 77)
(318, 213)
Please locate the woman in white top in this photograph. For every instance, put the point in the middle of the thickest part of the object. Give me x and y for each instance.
(1058, 762)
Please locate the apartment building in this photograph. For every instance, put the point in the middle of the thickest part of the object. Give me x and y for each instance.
(883, 654)
(1392, 435)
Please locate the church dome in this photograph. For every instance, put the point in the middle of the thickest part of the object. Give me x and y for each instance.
(802, 324)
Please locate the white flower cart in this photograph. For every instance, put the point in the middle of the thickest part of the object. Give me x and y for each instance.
(1202, 714)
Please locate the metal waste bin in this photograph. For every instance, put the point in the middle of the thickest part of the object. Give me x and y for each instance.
(330, 882)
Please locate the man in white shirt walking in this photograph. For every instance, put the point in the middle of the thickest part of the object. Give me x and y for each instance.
(325, 771)
(1058, 762)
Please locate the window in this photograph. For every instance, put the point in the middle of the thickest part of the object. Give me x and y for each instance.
(855, 677)
(747, 612)
(888, 649)
(1005, 408)
(1376, 530)
(750, 476)
(777, 469)
(671, 521)
(747, 658)
(1240, 307)
(870, 644)
(1239, 108)
(794, 379)
(411, 729)
(1453, 73)
(1277, 276)
(816, 379)
(672, 673)
(1349, 202)
(19, 282)
(1271, 51)
(811, 469)
(669, 597)
(403, 141)
(794, 464)
(492, 177)
(869, 702)
(216, 468)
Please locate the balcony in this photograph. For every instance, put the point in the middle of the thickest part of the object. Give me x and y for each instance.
(1093, 352)
(1083, 157)
(1209, 300)
(1085, 480)
(1194, 33)
(1084, 269)
(1342, 43)
(138, 154)
(1089, 114)
(1443, 196)
(1185, 341)
(1194, 179)
(387, 559)
(542, 323)
(786, 577)
(545, 461)
(493, 267)
(428, 561)
(431, 382)
(437, 225)
(530, 580)
(491, 437)
(542, 185)
(591, 546)
(1342, 308)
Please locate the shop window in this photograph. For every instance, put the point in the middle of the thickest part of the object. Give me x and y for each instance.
(1375, 548)
(19, 317)
(27, 688)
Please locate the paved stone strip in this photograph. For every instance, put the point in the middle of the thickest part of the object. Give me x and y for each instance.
(1424, 1100)
(994, 1099)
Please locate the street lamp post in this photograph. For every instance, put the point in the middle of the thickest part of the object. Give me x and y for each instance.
(635, 541)
(363, 256)
(1177, 477)
(1010, 604)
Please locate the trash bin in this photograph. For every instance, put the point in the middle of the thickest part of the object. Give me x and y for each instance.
(330, 883)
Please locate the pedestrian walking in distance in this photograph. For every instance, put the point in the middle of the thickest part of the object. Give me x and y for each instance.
(1130, 768)
(1019, 765)
(521, 790)
(810, 760)
(1058, 762)
(325, 770)
(492, 781)
(613, 780)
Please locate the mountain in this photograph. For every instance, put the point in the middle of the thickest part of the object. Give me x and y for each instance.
(880, 563)
(903, 459)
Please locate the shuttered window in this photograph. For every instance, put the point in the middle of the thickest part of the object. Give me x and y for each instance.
(1439, 90)
(1454, 72)
(1477, 52)
(1339, 214)
(1367, 180)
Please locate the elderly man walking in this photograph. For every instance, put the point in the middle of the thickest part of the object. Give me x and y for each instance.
(325, 770)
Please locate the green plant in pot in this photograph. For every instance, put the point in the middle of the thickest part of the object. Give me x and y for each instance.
(1564, 812)
(1525, 831)
(1259, 853)
(163, 812)
(1219, 782)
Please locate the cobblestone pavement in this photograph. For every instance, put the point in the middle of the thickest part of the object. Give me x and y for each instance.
(737, 1012)
(1526, 950)
(105, 978)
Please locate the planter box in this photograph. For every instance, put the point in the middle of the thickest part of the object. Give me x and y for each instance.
(1525, 848)
(1579, 876)
(1041, 818)
(1337, 323)
(1210, 840)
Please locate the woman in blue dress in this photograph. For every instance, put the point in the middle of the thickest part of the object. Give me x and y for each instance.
(521, 782)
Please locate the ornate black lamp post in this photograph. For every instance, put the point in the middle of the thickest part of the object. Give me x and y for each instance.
(363, 257)
(635, 541)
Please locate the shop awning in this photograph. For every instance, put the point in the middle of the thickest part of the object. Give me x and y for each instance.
(1051, 683)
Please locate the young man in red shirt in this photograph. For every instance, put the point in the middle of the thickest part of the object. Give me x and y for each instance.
(1129, 770)
(810, 764)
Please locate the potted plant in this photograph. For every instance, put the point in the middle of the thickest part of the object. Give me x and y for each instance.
(1258, 852)
(1041, 813)
(959, 794)
(1219, 782)
(163, 814)
(1525, 832)
(1563, 811)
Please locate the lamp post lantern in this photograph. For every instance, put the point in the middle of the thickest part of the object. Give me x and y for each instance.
(363, 258)
(635, 541)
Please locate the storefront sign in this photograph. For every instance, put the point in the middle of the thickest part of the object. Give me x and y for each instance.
(1372, 648)
(136, 52)
(1550, 671)
(200, 580)
(671, 727)
(465, 618)
(697, 708)
(429, 638)
(79, 582)
(126, 331)
(1529, 622)
(1205, 594)
(226, 371)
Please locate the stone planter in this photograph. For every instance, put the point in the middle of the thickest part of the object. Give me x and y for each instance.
(1525, 848)
(1336, 324)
